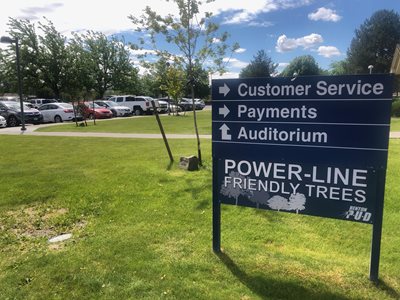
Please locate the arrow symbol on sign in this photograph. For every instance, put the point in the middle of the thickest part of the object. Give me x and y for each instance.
(224, 133)
(224, 89)
(224, 111)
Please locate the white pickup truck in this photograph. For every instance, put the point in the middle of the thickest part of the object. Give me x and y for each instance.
(138, 104)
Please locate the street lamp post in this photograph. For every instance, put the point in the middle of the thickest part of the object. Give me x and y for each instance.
(370, 67)
(8, 40)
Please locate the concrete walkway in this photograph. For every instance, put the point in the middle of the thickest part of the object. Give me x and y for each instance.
(395, 135)
(30, 130)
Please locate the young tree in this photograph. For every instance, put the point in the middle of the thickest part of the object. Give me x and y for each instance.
(201, 83)
(297, 202)
(174, 83)
(278, 203)
(234, 191)
(156, 77)
(196, 39)
(259, 197)
(260, 66)
(302, 65)
(374, 43)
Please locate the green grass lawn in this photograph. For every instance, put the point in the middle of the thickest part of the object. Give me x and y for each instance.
(172, 124)
(395, 124)
(142, 230)
(146, 124)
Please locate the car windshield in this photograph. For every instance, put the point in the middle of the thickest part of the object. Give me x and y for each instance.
(65, 105)
(111, 103)
(15, 106)
(94, 105)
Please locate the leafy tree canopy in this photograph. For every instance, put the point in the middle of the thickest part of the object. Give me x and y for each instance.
(260, 66)
(196, 38)
(374, 43)
(339, 67)
(302, 65)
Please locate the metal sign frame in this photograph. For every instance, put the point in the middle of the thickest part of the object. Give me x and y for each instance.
(261, 119)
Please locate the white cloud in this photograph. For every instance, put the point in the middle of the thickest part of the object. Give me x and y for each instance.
(35, 12)
(324, 14)
(282, 65)
(280, 68)
(79, 16)
(285, 44)
(328, 51)
(143, 52)
(235, 63)
(226, 75)
(260, 24)
(239, 13)
(240, 50)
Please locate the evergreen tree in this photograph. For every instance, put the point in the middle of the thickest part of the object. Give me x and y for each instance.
(260, 66)
(374, 43)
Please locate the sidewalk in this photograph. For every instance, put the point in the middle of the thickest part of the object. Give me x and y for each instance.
(30, 130)
(395, 135)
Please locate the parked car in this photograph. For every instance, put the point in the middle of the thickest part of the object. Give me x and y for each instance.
(11, 111)
(39, 101)
(58, 112)
(9, 98)
(28, 104)
(3, 122)
(91, 110)
(186, 104)
(166, 105)
(116, 109)
(138, 104)
(200, 104)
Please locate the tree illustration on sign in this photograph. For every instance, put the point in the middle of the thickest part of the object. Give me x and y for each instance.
(278, 203)
(233, 190)
(259, 197)
(297, 202)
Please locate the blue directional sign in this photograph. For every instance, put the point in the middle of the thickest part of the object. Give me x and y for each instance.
(306, 145)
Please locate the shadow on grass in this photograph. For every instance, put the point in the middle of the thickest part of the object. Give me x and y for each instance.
(267, 288)
(383, 286)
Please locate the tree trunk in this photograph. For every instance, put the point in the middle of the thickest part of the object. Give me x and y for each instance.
(195, 125)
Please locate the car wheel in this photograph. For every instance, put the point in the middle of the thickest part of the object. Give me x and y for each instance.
(57, 119)
(114, 112)
(12, 121)
(138, 111)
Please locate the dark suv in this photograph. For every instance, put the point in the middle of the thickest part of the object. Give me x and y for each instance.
(11, 111)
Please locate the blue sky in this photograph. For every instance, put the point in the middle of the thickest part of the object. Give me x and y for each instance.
(323, 29)
(283, 28)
